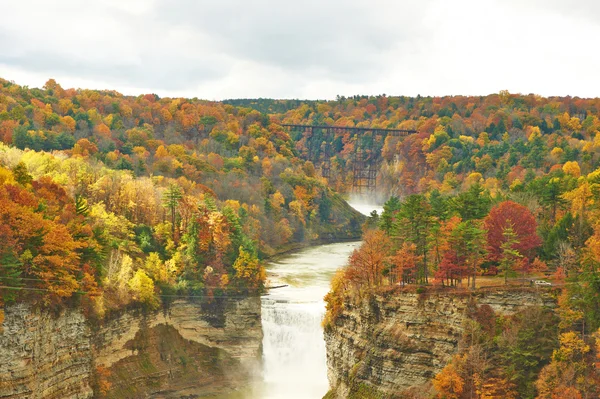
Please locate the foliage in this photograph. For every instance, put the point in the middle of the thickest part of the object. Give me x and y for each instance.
(367, 263)
(142, 288)
(516, 218)
(502, 361)
(248, 271)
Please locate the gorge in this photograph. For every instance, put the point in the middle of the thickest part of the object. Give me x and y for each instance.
(382, 345)
(185, 349)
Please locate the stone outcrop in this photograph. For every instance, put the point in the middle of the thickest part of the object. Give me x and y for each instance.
(391, 343)
(43, 356)
(180, 351)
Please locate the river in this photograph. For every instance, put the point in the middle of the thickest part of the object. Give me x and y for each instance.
(294, 358)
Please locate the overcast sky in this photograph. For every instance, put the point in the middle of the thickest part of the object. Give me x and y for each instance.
(304, 48)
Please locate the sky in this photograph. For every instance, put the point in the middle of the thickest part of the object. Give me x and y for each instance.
(307, 49)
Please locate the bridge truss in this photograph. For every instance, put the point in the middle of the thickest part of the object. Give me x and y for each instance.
(322, 142)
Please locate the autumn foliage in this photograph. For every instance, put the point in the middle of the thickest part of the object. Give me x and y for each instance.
(523, 223)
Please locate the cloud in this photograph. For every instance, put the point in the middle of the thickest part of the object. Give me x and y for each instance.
(314, 49)
(335, 39)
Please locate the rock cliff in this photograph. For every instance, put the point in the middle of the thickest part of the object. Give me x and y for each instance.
(179, 352)
(394, 342)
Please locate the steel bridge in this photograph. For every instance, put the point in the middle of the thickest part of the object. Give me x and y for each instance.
(322, 142)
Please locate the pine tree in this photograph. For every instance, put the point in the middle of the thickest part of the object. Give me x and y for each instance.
(171, 199)
(509, 254)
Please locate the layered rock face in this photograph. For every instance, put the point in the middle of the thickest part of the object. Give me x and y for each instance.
(42, 356)
(180, 352)
(389, 344)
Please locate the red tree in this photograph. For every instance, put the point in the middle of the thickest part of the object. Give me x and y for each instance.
(509, 213)
(452, 269)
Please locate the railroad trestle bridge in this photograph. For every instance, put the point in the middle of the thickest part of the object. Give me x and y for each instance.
(322, 142)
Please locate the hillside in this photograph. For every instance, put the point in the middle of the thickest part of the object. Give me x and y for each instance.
(108, 200)
(502, 140)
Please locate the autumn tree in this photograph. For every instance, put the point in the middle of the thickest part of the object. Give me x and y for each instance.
(509, 214)
(565, 376)
(367, 263)
(404, 264)
(142, 287)
(249, 272)
(448, 383)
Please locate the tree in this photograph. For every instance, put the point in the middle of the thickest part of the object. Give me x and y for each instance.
(367, 263)
(439, 205)
(508, 254)
(155, 268)
(386, 220)
(448, 383)
(451, 270)
(171, 199)
(473, 203)
(464, 253)
(572, 168)
(564, 377)
(472, 237)
(520, 220)
(37, 245)
(142, 287)
(249, 272)
(21, 174)
(413, 224)
(525, 345)
(404, 264)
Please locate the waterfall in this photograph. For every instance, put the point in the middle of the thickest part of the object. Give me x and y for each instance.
(294, 358)
(293, 349)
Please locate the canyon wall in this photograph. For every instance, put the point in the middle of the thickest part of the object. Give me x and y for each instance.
(395, 342)
(182, 351)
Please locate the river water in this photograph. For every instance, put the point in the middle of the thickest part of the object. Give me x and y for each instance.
(294, 358)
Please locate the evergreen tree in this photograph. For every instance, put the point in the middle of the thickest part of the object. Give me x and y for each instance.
(413, 225)
(390, 208)
(171, 199)
(475, 203)
(509, 254)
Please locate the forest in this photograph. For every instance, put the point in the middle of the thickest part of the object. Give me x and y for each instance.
(109, 200)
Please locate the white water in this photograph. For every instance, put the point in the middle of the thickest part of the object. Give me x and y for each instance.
(294, 358)
(366, 209)
(293, 346)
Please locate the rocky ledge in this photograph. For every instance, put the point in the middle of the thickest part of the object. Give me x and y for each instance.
(390, 344)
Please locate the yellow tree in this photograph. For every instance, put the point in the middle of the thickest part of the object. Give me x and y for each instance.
(564, 377)
(572, 168)
(142, 288)
(249, 272)
(448, 383)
